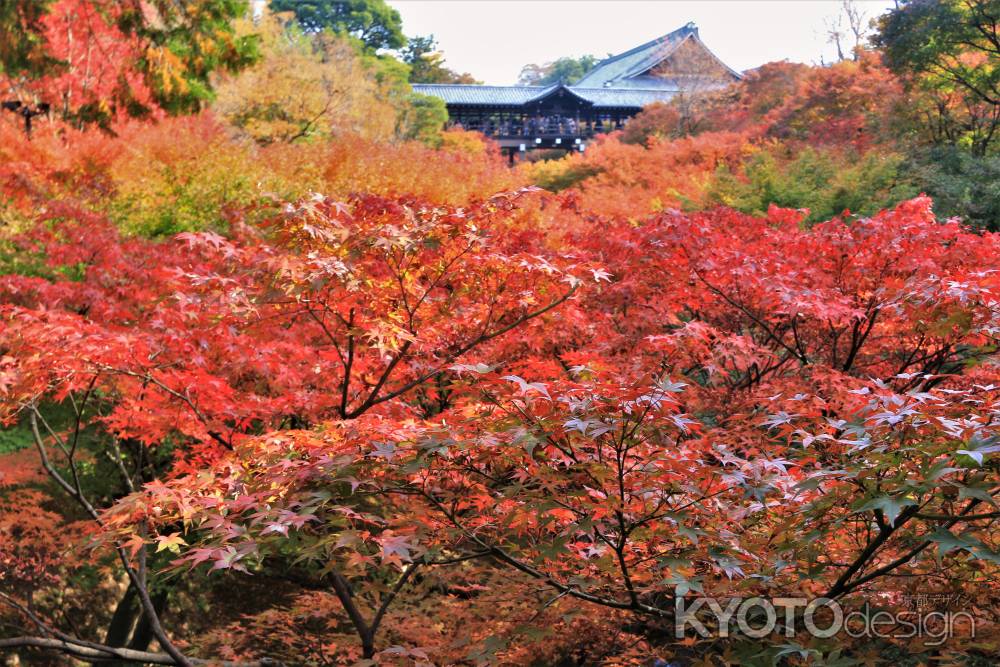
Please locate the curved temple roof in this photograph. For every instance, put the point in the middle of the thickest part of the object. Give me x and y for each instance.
(622, 81)
(516, 96)
(618, 69)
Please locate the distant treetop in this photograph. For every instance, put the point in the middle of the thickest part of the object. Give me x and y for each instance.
(950, 49)
(567, 70)
(427, 64)
(373, 22)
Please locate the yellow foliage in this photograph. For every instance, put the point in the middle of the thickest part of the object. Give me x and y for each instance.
(305, 88)
(467, 142)
(184, 173)
(167, 70)
(352, 164)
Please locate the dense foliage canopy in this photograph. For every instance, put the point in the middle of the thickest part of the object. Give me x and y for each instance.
(373, 22)
(96, 61)
(951, 50)
(562, 70)
(302, 379)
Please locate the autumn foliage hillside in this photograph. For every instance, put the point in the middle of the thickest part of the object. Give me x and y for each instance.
(438, 399)
(352, 391)
(189, 173)
(847, 137)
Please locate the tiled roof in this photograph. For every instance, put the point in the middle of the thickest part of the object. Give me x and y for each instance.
(619, 81)
(629, 98)
(635, 61)
(459, 94)
(456, 93)
(643, 83)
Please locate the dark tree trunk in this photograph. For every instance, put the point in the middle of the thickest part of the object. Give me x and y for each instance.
(143, 634)
(123, 620)
(130, 627)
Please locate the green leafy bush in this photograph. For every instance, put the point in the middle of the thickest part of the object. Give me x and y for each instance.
(824, 181)
(960, 183)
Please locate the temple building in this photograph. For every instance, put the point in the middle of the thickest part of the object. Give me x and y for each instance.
(522, 118)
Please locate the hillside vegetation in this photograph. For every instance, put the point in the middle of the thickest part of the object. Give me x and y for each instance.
(289, 375)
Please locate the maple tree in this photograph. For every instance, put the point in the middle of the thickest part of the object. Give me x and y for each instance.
(97, 62)
(343, 388)
(354, 399)
(949, 52)
(383, 297)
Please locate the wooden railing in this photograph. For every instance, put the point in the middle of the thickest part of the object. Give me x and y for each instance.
(545, 128)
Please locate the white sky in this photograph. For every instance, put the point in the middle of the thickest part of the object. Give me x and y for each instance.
(493, 39)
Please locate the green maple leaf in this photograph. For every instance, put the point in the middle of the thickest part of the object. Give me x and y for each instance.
(889, 505)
